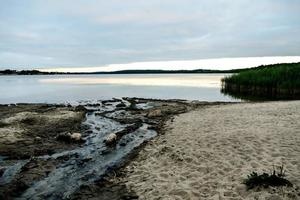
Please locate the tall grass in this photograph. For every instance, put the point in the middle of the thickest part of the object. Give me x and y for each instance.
(278, 81)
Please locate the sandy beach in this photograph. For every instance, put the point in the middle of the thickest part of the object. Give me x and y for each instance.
(208, 152)
(165, 149)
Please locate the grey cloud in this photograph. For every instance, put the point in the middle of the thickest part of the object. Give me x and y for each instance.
(89, 33)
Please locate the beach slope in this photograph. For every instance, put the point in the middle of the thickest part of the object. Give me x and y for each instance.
(208, 152)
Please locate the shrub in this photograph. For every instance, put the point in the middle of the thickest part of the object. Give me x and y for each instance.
(265, 180)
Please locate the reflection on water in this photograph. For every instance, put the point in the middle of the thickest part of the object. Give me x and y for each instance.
(143, 80)
(62, 88)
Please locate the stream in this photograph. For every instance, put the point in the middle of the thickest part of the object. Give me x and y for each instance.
(92, 160)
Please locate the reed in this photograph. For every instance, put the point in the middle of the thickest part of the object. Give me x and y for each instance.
(279, 81)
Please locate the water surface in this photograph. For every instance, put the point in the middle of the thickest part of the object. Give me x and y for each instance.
(66, 88)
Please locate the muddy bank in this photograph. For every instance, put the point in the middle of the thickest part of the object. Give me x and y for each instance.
(114, 184)
(28, 130)
(35, 165)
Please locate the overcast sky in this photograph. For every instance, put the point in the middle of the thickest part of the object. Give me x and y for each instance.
(89, 33)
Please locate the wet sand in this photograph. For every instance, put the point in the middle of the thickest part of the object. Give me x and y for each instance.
(208, 152)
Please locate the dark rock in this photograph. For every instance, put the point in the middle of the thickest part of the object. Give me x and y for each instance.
(121, 105)
(122, 144)
(80, 108)
(88, 132)
(93, 104)
(69, 138)
(2, 170)
(64, 137)
(106, 151)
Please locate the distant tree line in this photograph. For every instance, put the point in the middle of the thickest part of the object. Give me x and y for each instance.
(37, 72)
(26, 72)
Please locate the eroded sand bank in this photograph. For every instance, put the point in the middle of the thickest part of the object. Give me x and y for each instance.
(206, 153)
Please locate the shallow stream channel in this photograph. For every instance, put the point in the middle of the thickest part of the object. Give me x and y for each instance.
(131, 122)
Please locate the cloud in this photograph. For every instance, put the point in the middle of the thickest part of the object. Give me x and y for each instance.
(99, 33)
(20, 59)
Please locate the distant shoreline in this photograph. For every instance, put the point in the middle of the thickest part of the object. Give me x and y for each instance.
(197, 71)
(136, 71)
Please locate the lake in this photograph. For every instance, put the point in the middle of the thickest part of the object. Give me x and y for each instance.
(69, 88)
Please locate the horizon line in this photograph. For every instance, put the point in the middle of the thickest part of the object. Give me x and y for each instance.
(173, 65)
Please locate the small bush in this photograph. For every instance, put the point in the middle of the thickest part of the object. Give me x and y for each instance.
(265, 180)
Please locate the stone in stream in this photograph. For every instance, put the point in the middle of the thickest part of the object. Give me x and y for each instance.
(76, 137)
(122, 144)
(80, 108)
(121, 105)
(2, 170)
(68, 137)
(111, 139)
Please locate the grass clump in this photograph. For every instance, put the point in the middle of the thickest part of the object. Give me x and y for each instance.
(266, 180)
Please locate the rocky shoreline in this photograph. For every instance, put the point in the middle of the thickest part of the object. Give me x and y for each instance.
(37, 150)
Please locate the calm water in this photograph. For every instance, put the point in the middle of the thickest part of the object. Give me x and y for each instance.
(66, 88)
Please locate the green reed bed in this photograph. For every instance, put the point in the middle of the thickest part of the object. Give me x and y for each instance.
(279, 81)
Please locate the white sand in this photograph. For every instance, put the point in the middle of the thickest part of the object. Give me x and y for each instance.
(206, 153)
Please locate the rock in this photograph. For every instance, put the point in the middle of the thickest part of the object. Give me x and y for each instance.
(155, 113)
(151, 127)
(121, 105)
(106, 151)
(94, 104)
(88, 132)
(110, 139)
(2, 170)
(76, 137)
(37, 138)
(80, 108)
(68, 137)
(65, 137)
(123, 144)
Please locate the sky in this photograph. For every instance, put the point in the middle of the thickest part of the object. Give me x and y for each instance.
(89, 35)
